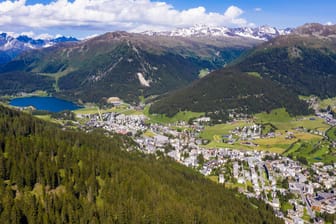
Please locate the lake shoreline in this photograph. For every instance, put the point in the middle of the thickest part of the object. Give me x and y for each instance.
(44, 103)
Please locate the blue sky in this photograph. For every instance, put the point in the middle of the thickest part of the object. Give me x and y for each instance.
(88, 17)
(279, 13)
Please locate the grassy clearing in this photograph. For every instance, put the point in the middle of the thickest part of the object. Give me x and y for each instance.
(86, 110)
(48, 118)
(286, 206)
(255, 74)
(163, 119)
(57, 76)
(214, 144)
(204, 72)
(214, 133)
(281, 143)
(149, 134)
(238, 145)
(316, 124)
(313, 151)
(275, 116)
(235, 185)
(119, 109)
(213, 178)
(326, 102)
(331, 133)
(280, 119)
(284, 122)
(221, 129)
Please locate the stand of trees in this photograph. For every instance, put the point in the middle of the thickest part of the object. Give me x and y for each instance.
(227, 90)
(52, 176)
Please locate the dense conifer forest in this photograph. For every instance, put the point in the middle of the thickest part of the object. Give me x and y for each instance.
(230, 90)
(48, 175)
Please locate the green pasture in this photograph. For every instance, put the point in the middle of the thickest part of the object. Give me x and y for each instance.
(163, 119)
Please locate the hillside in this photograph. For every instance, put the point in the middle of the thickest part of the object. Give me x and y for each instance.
(126, 65)
(228, 90)
(271, 75)
(304, 61)
(53, 176)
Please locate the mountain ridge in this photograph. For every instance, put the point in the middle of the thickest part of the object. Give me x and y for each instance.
(11, 46)
(263, 33)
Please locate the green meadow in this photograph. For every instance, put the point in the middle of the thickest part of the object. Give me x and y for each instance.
(163, 119)
(279, 118)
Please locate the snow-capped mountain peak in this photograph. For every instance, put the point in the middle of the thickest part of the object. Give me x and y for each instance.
(24, 41)
(12, 45)
(264, 33)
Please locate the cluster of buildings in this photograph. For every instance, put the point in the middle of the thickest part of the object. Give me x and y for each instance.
(328, 117)
(294, 191)
(248, 132)
(117, 122)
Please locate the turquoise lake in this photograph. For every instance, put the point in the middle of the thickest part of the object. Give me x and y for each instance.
(50, 104)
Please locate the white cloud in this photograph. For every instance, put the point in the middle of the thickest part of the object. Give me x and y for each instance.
(130, 15)
(258, 9)
(329, 23)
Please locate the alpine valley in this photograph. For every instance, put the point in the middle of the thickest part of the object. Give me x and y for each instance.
(203, 124)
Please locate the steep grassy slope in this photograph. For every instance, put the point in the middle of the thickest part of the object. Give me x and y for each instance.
(53, 176)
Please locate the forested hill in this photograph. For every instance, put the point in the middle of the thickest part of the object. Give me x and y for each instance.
(52, 176)
(271, 75)
(228, 90)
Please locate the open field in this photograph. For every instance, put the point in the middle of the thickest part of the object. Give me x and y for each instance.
(119, 109)
(280, 119)
(331, 133)
(280, 143)
(180, 116)
(283, 121)
(275, 116)
(214, 144)
(327, 102)
(221, 129)
(312, 151)
(255, 74)
(89, 110)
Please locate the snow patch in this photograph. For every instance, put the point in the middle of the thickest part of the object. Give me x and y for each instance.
(142, 80)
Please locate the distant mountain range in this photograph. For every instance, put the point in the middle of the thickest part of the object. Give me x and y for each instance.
(127, 65)
(247, 74)
(264, 33)
(11, 46)
(270, 76)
